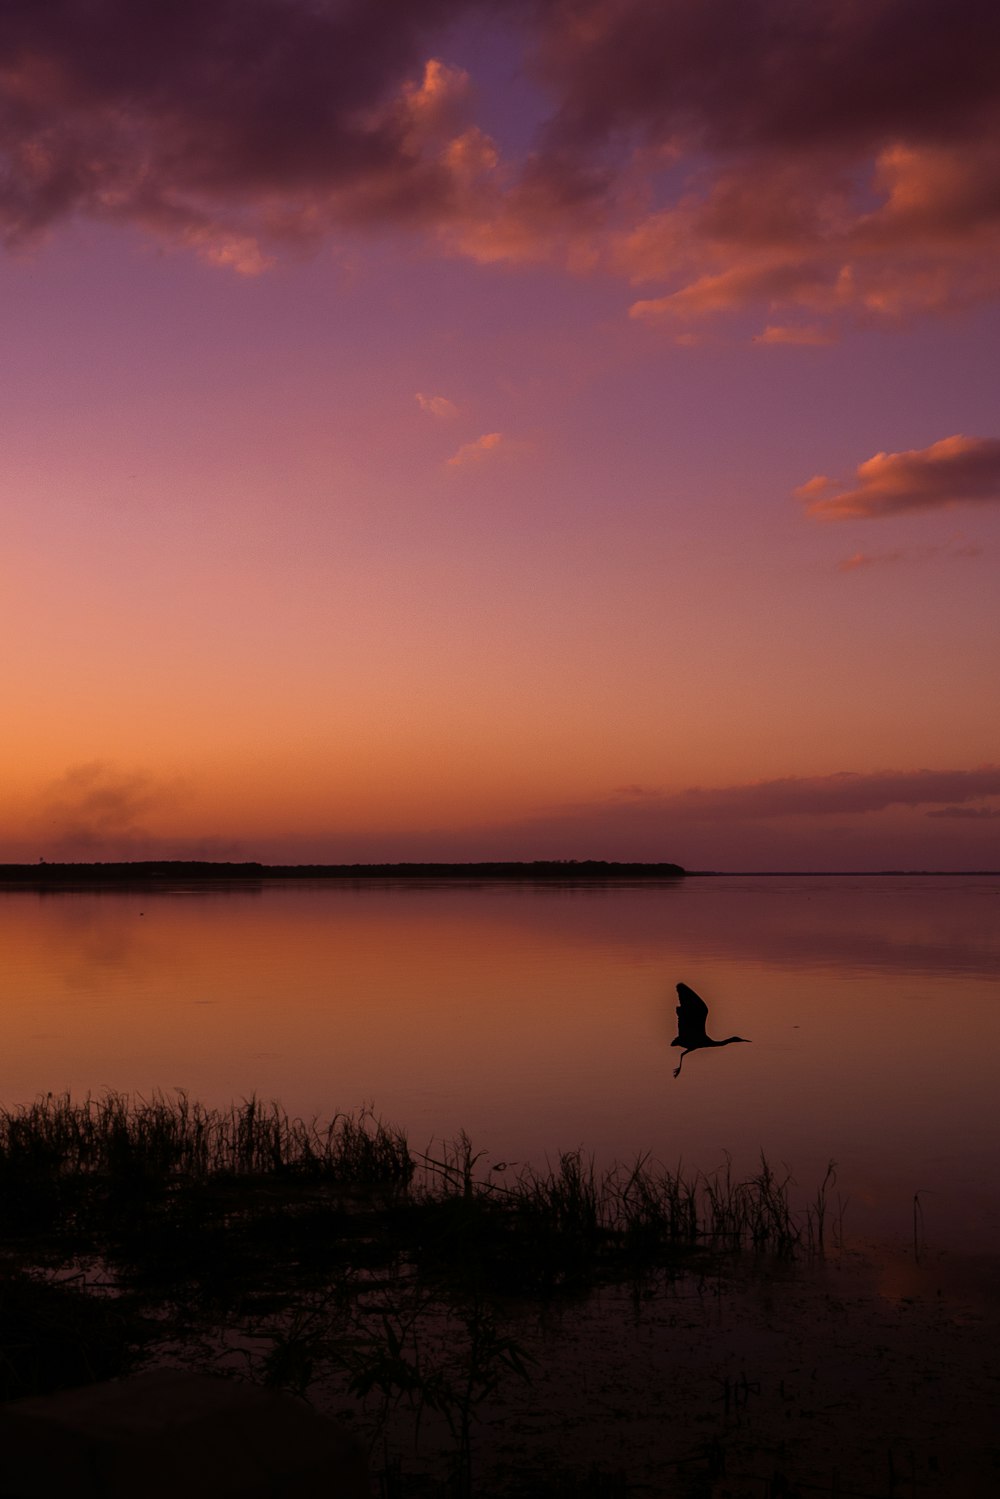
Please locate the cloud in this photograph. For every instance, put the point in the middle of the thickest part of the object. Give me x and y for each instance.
(827, 160)
(804, 336)
(956, 470)
(95, 805)
(868, 559)
(824, 157)
(847, 820)
(775, 810)
(472, 453)
(98, 811)
(765, 76)
(222, 125)
(967, 814)
(954, 548)
(844, 792)
(438, 406)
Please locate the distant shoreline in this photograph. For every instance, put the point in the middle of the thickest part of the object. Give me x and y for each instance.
(835, 874)
(157, 871)
(145, 873)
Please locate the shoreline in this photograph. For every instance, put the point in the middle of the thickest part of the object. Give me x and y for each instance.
(45, 875)
(153, 873)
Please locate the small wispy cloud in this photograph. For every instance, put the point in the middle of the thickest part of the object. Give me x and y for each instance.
(868, 559)
(952, 548)
(476, 452)
(956, 470)
(437, 406)
(692, 340)
(804, 337)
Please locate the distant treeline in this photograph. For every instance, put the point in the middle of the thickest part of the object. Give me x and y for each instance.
(160, 871)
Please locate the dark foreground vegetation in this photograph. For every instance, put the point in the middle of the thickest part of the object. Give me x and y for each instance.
(166, 872)
(329, 1259)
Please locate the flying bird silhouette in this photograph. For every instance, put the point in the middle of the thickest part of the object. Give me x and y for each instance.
(692, 1015)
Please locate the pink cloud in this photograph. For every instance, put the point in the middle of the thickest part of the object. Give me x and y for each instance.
(956, 470)
(806, 336)
(867, 559)
(438, 406)
(475, 452)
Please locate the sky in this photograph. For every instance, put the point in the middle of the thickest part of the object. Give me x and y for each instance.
(501, 430)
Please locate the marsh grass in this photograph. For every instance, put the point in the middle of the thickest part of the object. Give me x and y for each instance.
(571, 1225)
(167, 1188)
(158, 1138)
(332, 1253)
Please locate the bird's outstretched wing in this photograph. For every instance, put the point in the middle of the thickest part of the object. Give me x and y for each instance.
(692, 1015)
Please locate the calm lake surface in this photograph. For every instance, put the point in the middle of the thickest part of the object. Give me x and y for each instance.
(539, 1019)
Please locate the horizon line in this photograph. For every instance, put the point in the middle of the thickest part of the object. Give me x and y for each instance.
(18, 871)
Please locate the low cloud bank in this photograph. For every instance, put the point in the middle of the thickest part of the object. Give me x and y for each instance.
(849, 820)
(815, 796)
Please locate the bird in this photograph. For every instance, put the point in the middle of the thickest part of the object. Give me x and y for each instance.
(692, 1014)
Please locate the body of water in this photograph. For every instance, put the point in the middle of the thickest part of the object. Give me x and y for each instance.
(539, 1019)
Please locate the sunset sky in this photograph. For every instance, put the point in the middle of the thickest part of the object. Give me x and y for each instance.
(523, 430)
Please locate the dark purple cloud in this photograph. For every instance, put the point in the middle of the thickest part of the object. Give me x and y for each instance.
(190, 114)
(768, 76)
(833, 159)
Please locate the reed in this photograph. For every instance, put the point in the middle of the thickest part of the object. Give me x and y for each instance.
(207, 1204)
(68, 1165)
(162, 1137)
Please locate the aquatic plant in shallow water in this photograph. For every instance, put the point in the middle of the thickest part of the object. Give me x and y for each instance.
(60, 1158)
(160, 1136)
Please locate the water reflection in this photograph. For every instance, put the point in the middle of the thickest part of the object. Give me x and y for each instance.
(534, 1018)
